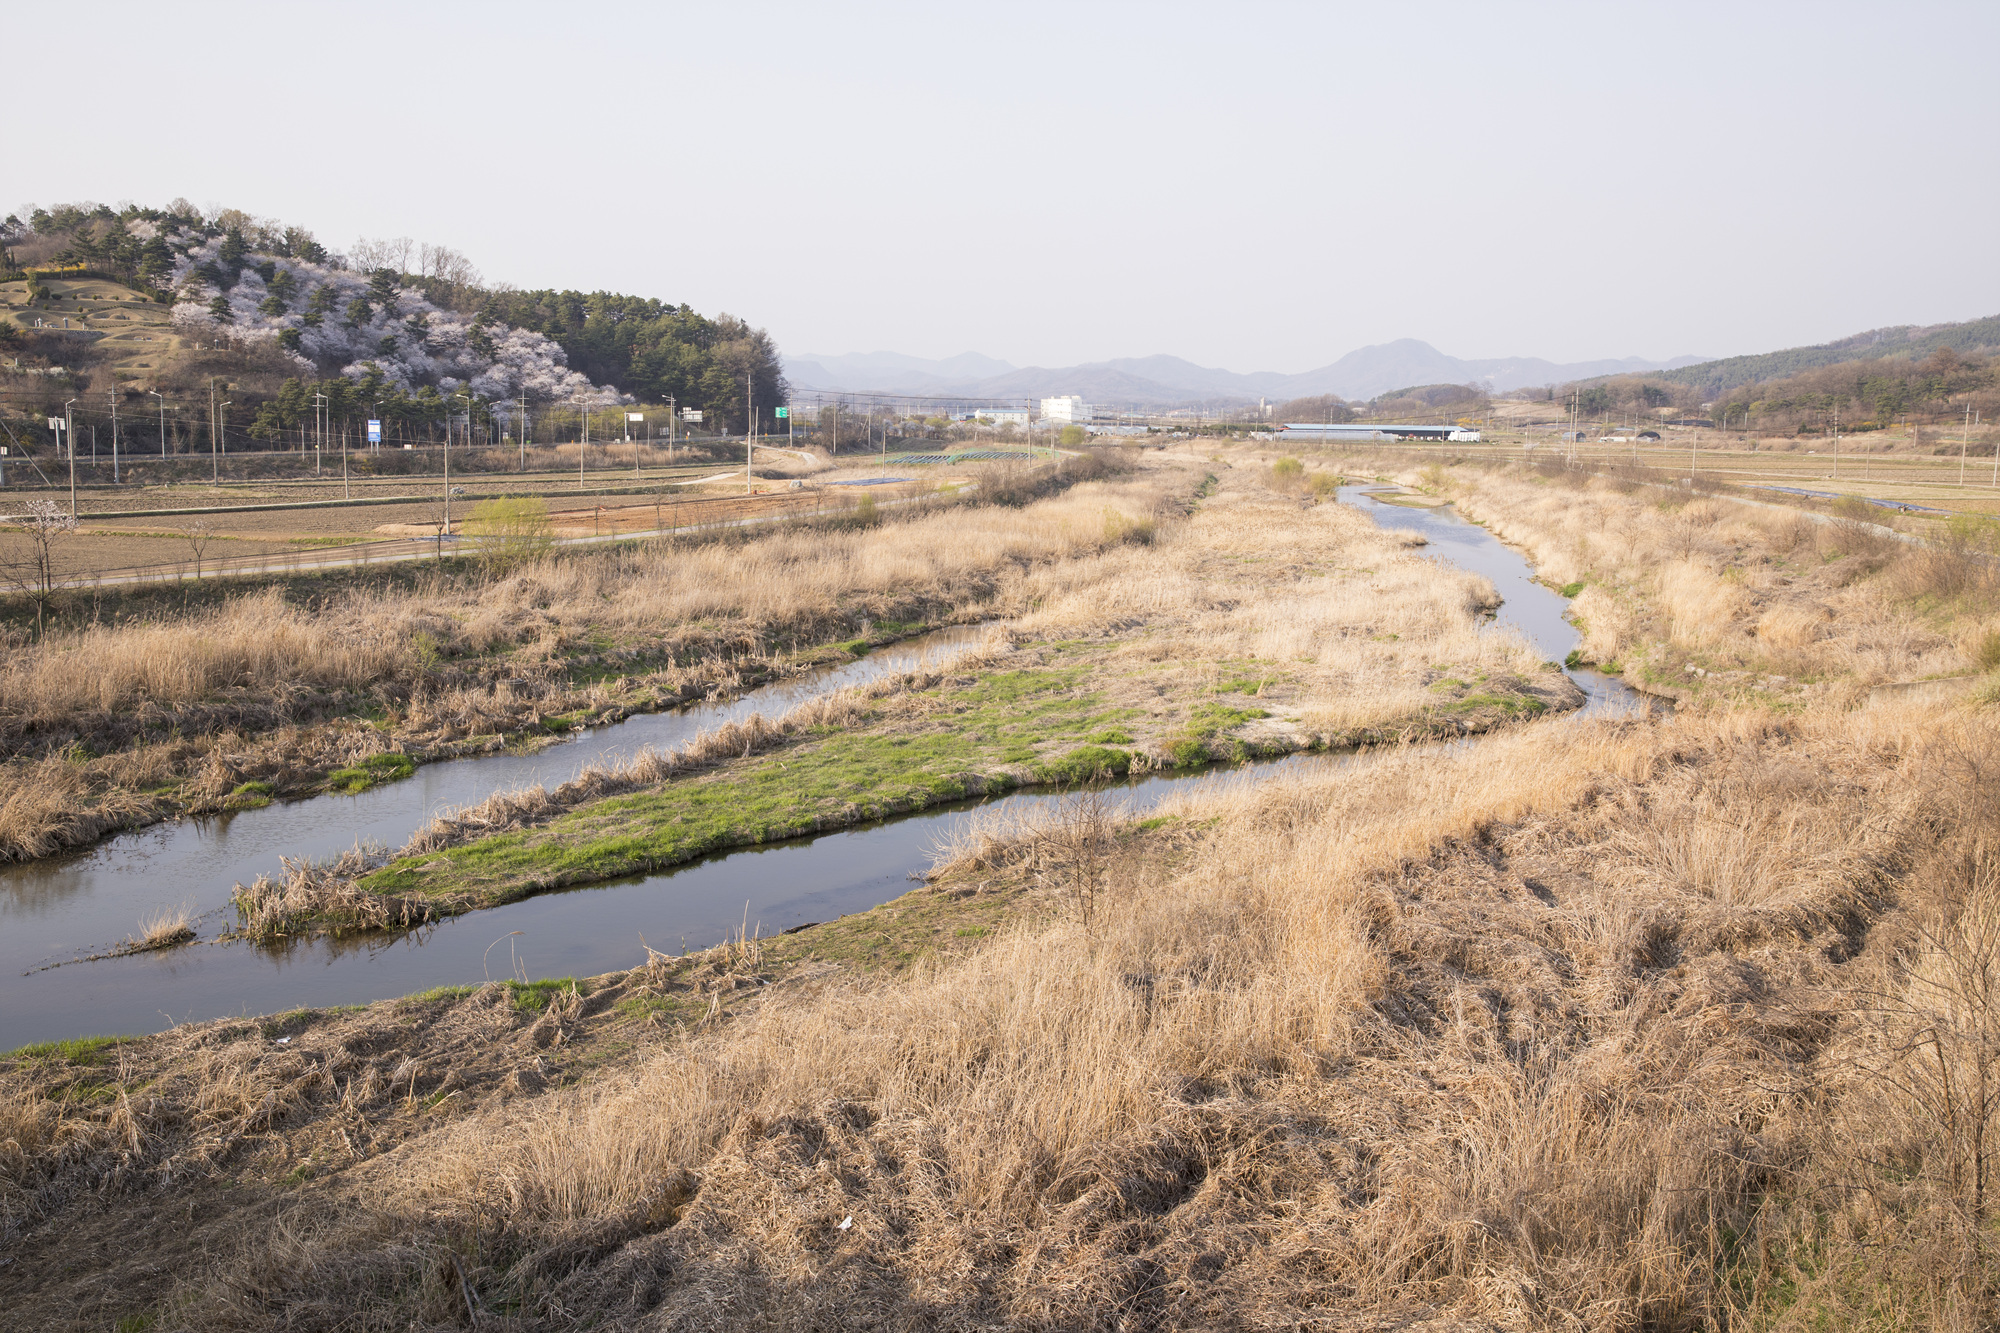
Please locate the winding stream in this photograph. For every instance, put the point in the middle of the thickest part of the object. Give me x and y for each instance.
(69, 906)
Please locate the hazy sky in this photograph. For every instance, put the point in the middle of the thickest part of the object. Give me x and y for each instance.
(1255, 186)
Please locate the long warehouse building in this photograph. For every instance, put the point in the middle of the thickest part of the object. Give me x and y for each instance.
(1368, 430)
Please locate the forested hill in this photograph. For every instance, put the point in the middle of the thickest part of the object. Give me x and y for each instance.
(415, 321)
(1715, 378)
(654, 350)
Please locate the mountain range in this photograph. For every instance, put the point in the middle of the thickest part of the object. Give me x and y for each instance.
(1169, 381)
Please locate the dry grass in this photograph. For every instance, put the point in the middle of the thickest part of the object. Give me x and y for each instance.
(1674, 580)
(163, 928)
(315, 895)
(1539, 1033)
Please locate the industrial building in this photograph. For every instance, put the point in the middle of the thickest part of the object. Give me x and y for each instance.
(1369, 430)
(1068, 410)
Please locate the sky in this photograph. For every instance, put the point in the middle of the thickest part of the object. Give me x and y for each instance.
(1255, 186)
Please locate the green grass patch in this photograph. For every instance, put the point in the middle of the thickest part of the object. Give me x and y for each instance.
(1020, 719)
(1086, 763)
(372, 771)
(531, 997)
(1514, 705)
(248, 796)
(1571, 589)
(75, 1050)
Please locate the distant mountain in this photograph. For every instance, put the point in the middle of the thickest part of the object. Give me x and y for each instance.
(1369, 371)
(1169, 381)
(1911, 340)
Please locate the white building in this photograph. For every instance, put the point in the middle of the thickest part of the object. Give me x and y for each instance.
(1070, 410)
(1002, 416)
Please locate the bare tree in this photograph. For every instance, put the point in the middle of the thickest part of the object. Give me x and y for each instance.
(198, 535)
(1079, 845)
(387, 252)
(45, 525)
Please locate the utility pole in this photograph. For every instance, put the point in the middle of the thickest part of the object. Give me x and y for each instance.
(222, 410)
(163, 425)
(114, 437)
(447, 455)
(582, 437)
(1964, 441)
(1836, 440)
(524, 430)
(69, 433)
(319, 432)
(749, 438)
(214, 463)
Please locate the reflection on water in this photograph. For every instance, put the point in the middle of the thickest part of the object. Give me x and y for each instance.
(64, 908)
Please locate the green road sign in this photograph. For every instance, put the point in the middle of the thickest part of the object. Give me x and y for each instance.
(784, 412)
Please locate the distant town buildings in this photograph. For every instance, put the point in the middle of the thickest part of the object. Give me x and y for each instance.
(1003, 416)
(1070, 410)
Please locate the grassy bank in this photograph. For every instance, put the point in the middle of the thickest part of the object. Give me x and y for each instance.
(1054, 715)
(1712, 600)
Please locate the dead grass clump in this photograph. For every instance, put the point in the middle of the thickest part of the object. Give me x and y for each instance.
(166, 927)
(311, 895)
(1369, 710)
(1701, 609)
(1607, 621)
(51, 804)
(1790, 627)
